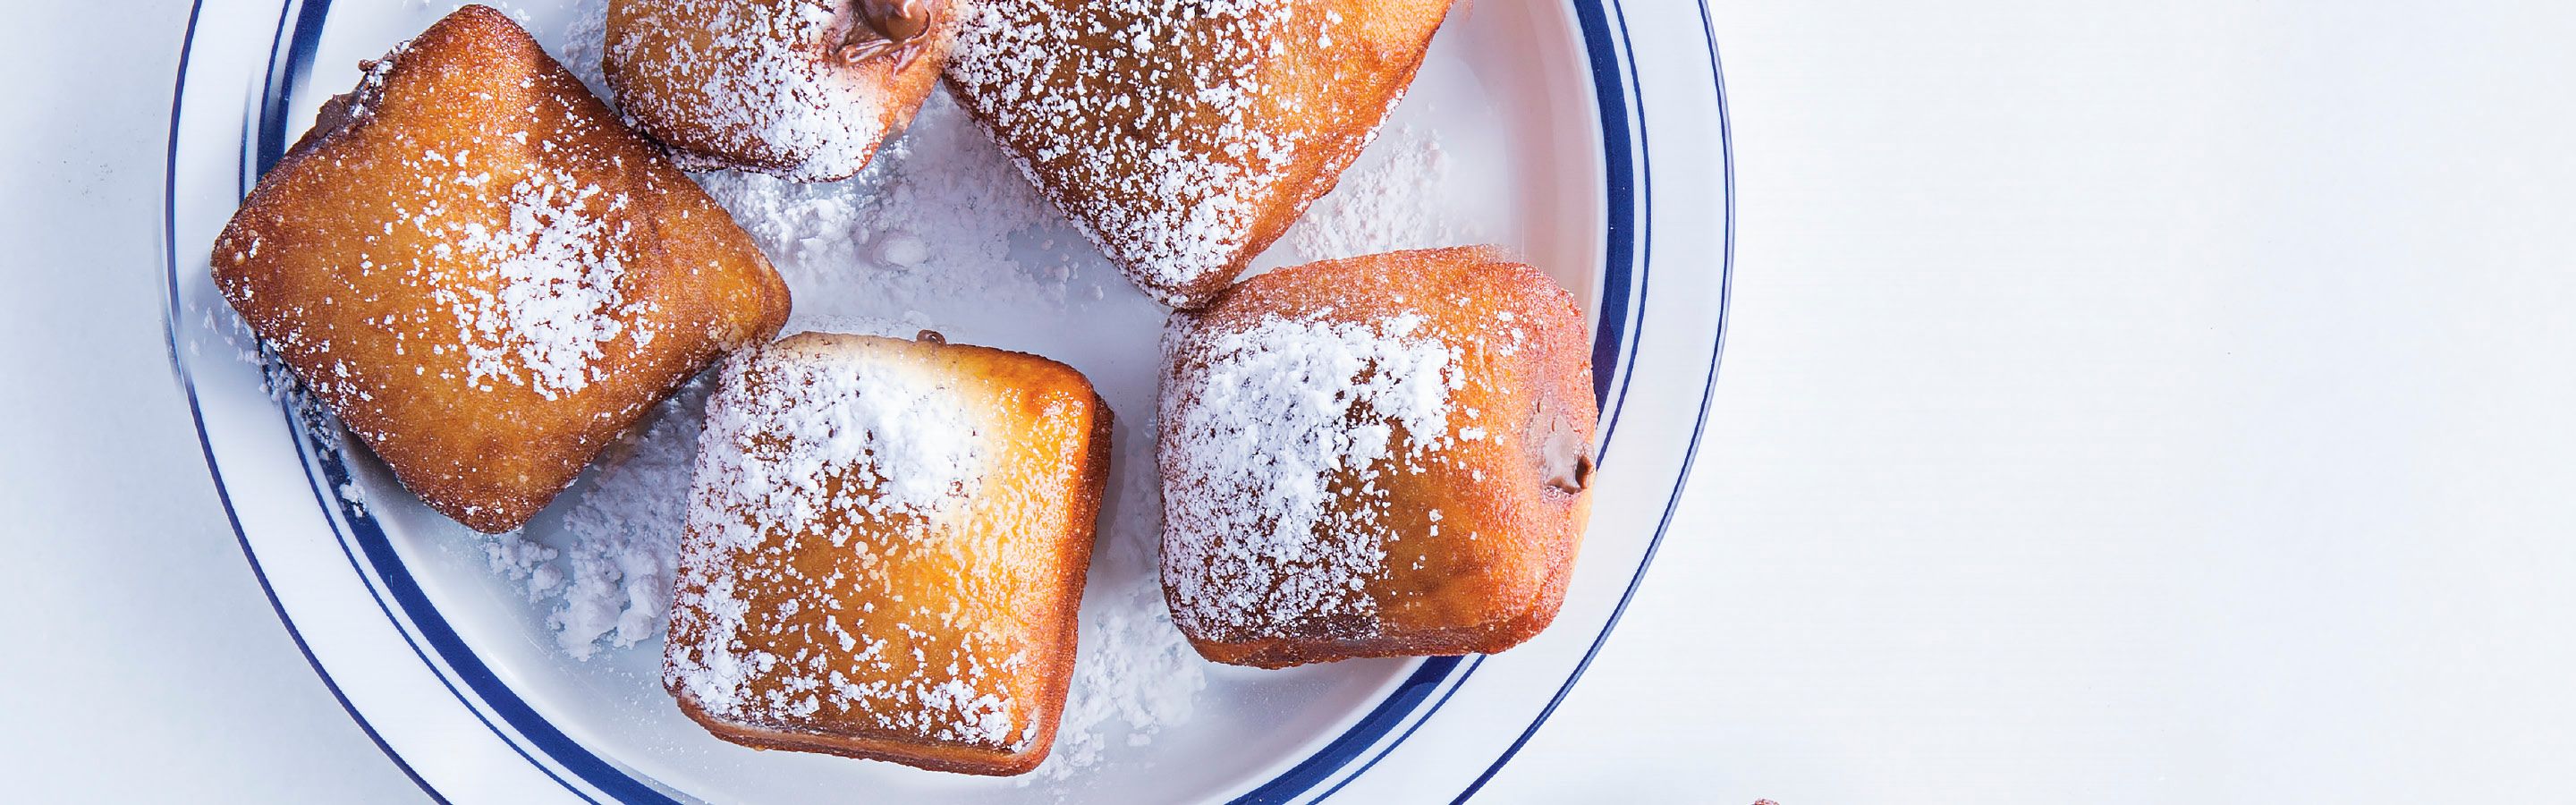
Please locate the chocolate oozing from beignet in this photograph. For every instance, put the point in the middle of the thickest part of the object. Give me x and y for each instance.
(1381, 456)
(1564, 456)
(886, 28)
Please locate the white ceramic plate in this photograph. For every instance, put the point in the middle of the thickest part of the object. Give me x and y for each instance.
(1590, 137)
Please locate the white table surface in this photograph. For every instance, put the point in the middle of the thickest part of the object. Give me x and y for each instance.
(2124, 402)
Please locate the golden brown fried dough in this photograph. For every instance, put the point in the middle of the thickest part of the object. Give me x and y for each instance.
(1381, 456)
(885, 551)
(1184, 146)
(486, 276)
(802, 89)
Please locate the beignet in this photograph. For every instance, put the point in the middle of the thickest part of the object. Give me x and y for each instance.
(483, 274)
(885, 551)
(802, 89)
(1381, 456)
(1184, 140)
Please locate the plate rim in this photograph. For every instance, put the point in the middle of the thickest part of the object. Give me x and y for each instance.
(270, 121)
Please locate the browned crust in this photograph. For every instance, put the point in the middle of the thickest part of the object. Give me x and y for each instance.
(1551, 520)
(1488, 638)
(287, 262)
(935, 757)
(1074, 567)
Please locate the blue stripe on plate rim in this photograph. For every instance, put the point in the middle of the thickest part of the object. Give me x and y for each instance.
(169, 237)
(1622, 118)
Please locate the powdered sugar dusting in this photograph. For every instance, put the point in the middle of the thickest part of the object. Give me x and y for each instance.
(584, 48)
(760, 75)
(536, 300)
(789, 424)
(610, 579)
(1271, 427)
(1137, 675)
(864, 447)
(942, 225)
(1379, 206)
(1173, 198)
(625, 533)
(556, 271)
(937, 221)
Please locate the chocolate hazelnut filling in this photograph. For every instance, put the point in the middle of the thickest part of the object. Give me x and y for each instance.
(879, 28)
(1564, 457)
(333, 117)
(341, 110)
(1565, 460)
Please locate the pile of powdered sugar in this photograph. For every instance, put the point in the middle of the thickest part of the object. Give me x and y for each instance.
(611, 585)
(934, 219)
(1378, 207)
(1133, 668)
(625, 528)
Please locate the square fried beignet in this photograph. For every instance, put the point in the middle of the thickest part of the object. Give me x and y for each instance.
(1382, 456)
(484, 274)
(1185, 138)
(885, 551)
